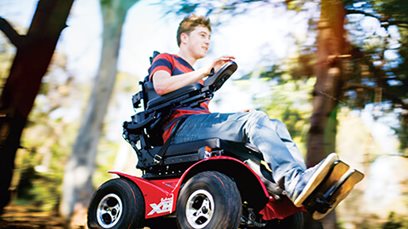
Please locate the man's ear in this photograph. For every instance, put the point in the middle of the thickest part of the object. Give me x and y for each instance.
(184, 38)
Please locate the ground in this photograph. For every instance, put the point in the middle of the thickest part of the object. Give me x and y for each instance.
(15, 216)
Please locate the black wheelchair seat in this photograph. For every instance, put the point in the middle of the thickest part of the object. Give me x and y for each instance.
(180, 156)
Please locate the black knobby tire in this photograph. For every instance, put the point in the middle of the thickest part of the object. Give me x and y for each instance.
(209, 200)
(294, 221)
(118, 203)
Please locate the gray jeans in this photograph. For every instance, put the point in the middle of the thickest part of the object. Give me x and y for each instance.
(271, 137)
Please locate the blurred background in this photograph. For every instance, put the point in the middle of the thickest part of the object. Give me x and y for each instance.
(335, 72)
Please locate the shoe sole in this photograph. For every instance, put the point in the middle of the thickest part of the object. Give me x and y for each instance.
(316, 179)
(341, 190)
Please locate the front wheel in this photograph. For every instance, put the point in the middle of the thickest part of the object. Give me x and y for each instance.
(209, 200)
(118, 203)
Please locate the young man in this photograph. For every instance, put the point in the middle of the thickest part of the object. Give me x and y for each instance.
(170, 72)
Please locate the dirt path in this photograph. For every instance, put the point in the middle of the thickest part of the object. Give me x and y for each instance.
(15, 216)
(28, 217)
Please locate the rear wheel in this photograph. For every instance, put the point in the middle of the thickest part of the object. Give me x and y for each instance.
(209, 200)
(118, 203)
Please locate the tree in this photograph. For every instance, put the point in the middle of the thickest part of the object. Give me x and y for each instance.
(34, 52)
(331, 48)
(379, 68)
(77, 184)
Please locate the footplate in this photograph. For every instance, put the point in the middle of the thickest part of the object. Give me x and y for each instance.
(334, 188)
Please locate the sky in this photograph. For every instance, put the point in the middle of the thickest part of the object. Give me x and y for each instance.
(263, 36)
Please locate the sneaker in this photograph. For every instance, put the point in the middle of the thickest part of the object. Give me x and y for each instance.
(310, 179)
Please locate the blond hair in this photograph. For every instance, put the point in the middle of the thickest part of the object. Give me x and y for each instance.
(189, 23)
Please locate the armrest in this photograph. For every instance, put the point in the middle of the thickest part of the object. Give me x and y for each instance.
(187, 93)
(215, 81)
(174, 95)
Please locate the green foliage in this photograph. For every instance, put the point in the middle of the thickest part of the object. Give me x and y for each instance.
(46, 141)
(392, 223)
(39, 173)
(224, 11)
(124, 3)
(105, 2)
(378, 69)
(187, 7)
(232, 7)
(402, 133)
(272, 73)
(40, 189)
(302, 66)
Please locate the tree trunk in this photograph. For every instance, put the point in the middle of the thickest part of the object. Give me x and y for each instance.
(331, 47)
(34, 52)
(77, 185)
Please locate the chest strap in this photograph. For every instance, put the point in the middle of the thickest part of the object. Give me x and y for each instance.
(158, 158)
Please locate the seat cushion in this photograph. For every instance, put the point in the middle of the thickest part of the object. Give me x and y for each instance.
(236, 149)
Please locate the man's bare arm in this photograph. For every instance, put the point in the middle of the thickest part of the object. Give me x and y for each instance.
(164, 83)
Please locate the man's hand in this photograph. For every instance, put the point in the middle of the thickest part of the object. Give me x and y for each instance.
(216, 64)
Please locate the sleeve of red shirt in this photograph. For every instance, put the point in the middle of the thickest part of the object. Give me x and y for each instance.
(161, 62)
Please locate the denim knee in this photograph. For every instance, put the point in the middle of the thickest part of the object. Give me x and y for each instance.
(254, 120)
(281, 129)
(278, 124)
(256, 115)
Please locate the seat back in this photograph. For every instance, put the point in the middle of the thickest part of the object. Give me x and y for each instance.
(149, 92)
(154, 137)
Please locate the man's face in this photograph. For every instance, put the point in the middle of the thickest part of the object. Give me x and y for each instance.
(198, 41)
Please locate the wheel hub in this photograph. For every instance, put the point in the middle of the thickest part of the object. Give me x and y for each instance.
(109, 210)
(199, 208)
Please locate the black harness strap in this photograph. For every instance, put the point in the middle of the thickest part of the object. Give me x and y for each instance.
(158, 158)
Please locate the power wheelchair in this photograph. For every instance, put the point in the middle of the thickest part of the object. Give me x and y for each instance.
(210, 183)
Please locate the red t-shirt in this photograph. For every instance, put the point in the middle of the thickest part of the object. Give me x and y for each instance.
(175, 65)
